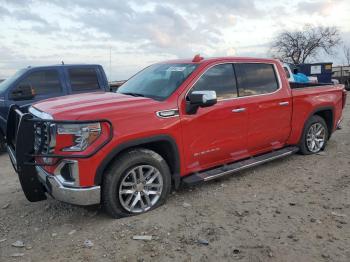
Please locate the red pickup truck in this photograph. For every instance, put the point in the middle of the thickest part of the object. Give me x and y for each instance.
(175, 122)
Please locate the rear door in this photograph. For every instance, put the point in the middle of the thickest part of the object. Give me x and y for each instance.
(216, 134)
(269, 106)
(84, 80)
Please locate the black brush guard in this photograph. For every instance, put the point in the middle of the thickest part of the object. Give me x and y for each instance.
(20, 146)
(20, 141)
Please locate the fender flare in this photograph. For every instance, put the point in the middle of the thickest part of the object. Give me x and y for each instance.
(315, 111)
(138, 143)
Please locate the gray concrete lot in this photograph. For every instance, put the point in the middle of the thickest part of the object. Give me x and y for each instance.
(294, 209)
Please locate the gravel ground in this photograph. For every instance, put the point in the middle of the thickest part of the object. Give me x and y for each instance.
(294, 209)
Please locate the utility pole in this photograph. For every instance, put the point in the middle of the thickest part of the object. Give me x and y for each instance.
(110, 63)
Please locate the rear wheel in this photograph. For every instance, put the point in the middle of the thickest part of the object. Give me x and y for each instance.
(315, 136)
(137, 182)
(347, 85)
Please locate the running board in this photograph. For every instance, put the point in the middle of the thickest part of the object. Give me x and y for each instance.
(238, 166)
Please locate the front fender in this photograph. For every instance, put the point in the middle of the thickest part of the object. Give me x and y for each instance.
(139, 143)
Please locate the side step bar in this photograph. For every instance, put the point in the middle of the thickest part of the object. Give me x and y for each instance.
(238, 166)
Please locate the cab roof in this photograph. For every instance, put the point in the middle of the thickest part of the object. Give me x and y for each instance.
(221, 59)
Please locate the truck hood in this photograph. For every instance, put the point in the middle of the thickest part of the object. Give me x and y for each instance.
(91, 105)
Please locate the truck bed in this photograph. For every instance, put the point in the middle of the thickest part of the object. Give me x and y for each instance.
(323, 97)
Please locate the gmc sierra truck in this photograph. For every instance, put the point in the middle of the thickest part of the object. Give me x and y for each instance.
(175, 122)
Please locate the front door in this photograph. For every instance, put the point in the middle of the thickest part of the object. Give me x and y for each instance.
(45, 83)
(216, 134)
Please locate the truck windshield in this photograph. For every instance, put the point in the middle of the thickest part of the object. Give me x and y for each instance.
(5, 84)
(157, 81)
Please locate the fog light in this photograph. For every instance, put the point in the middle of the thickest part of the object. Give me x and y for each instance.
(68, 173)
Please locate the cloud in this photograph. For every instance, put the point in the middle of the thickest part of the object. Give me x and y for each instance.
(243, 8)
(22, 14)
(21, 3)
(142, 32)
(155, 25)
(119, 5)
(161, 27)
(319, 7)
(4, 12)
(7, 61)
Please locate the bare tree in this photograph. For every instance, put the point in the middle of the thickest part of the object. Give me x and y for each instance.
(299, 46)
(346, 50)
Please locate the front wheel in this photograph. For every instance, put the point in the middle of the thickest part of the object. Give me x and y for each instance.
(315, 136)
(137, 181)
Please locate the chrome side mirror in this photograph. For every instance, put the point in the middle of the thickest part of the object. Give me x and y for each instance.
(198, 99)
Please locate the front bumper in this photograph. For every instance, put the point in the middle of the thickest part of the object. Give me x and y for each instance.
(35, 181)
(83, 196)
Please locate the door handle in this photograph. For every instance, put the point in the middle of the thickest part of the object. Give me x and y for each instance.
(284, 103)
(238, 110)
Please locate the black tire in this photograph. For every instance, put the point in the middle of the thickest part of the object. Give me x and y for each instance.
(303, 143)
(2, 144)
(347, 85)
(120, 168)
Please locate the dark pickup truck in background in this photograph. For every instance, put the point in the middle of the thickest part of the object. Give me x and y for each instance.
(33, 84)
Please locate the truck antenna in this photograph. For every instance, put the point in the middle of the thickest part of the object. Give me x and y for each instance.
(197, 58)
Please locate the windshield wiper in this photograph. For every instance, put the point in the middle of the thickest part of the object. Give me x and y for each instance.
(133, 94)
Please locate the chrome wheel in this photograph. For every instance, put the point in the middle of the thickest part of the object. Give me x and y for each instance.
(316, 137)
(141, 188)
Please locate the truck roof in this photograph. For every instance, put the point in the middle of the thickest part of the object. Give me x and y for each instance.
(63, 65)
(218, 59)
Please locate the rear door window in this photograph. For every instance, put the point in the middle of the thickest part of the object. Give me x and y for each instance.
(44, 82)
(255, 78)
(83, 79)
(221, 79)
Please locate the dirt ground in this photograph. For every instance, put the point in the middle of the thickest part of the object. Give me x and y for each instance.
(294, 209)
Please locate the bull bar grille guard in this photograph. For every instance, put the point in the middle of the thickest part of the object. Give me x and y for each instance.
(20, 138)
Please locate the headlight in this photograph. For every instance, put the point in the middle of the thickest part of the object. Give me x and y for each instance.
(83, 135)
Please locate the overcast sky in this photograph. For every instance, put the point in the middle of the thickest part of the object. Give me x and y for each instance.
(37, 32)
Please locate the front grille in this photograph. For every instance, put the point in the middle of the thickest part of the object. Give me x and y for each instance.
(44, 137)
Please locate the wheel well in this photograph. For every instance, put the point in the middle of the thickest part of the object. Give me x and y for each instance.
(327, 115)
(165, 148)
